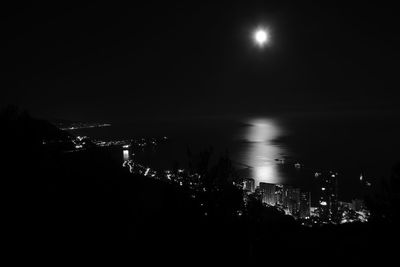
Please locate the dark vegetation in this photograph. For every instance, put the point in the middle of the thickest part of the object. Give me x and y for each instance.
(83, 207)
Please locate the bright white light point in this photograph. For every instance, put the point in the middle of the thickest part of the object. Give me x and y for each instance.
(261, 37)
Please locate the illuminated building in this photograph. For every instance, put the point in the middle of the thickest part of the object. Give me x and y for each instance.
(328, 199)
(258, 193)
(248, 185)
(125, 155)
(291, 199)
(305, 204)
(279, 194)
(314, 211)
(268, 193)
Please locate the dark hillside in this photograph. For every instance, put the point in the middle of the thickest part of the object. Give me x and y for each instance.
(67, 206)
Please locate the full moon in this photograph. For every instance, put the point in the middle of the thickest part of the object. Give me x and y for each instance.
(261, 37)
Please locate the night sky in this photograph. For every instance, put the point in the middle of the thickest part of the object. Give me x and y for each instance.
(112, 62)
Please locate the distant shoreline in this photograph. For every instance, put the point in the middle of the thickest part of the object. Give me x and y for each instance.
(71, 128)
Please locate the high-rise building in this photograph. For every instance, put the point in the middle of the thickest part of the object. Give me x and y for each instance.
(305, 204)
(125, 154)
(328, 198)
(291, 200)
(279, 195)
(249, 185)
(268, 193)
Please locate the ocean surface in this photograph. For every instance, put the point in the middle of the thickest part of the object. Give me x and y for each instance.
(267, 148)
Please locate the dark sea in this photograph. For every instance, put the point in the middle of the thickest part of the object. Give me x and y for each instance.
(267, 148)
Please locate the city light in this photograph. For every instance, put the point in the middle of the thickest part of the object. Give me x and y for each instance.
(125, 155)
(284, 198)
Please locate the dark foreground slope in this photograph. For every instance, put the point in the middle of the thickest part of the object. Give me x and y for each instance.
(83, 207)
(63, 205)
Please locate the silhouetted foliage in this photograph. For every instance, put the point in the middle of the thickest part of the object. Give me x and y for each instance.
(385, 204)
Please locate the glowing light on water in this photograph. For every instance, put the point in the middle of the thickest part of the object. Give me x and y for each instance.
(262, 152)
(265, 172)
(262, 130)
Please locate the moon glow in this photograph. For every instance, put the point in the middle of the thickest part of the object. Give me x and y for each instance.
(261, 37)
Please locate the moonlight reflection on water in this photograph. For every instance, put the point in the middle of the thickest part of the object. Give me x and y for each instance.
(262, 151)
